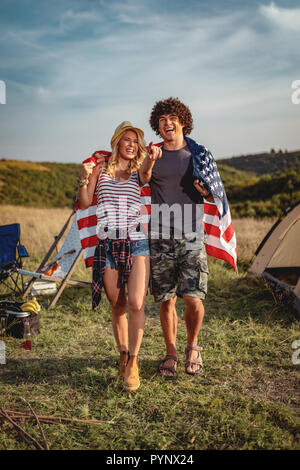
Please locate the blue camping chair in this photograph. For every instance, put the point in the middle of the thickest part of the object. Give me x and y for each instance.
(11, 254)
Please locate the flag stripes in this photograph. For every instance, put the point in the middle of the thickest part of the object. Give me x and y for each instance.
(221, 240)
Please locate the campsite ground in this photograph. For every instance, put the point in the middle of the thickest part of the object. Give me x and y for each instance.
(246, 397)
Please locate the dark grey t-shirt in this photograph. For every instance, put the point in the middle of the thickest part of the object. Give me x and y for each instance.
(172, 184)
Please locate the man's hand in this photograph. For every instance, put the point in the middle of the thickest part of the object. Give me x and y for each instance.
(154, 152)
(202, 190)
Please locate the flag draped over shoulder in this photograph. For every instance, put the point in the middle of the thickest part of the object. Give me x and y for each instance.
(221, 239)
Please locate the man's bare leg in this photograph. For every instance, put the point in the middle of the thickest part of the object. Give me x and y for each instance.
(169, 321)
(194, 314)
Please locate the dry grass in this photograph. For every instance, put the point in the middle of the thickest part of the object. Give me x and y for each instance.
(250, 232)
(245, 399)
(38, 226)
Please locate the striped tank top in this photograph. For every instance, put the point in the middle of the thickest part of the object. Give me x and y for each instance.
(119, 208)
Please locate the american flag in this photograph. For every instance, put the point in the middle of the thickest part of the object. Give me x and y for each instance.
(221, 240)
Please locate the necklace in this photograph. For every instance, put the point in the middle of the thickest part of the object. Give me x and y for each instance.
(122, 176)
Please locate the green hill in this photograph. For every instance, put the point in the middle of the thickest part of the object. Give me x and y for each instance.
(249, 193)
(269, 195)
(38, 184)
(264, 163)
(261, 185)
(234, 178)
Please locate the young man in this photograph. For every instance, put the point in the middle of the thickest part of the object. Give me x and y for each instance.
(177, 240)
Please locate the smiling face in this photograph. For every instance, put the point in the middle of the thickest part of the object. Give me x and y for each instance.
(128, 145)
(170, 128)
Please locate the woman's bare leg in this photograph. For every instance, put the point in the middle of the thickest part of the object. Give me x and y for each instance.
(137, 289)
(138, 282)
(115, 293)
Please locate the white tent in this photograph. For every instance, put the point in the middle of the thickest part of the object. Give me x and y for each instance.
(278, 256)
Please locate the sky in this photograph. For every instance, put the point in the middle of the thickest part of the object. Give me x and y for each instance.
(75, 69)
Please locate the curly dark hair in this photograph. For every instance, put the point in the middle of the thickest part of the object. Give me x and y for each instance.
(172, 106)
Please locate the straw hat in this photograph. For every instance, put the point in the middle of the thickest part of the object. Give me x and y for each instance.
(126, 126)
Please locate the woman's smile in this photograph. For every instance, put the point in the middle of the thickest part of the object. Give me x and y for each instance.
(128, 146)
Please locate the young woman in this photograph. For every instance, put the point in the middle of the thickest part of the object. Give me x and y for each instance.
(122, 254)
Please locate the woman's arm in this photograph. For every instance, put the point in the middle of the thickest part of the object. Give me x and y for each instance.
(145, 172)
(87, 182)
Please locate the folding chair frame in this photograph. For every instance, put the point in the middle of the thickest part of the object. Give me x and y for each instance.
(12, 268)
(15, 280)
(63, 280)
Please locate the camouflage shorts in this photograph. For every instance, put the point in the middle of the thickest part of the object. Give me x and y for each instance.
(176, 270)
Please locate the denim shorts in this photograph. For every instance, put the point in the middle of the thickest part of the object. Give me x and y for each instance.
(138, 248)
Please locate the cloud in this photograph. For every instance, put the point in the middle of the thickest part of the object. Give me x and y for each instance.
(285, 18)
(71, 19)
(85, 70)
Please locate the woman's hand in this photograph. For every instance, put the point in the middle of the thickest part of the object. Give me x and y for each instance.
(100, 163)
(145, 172)
(91, 167)
(154, 152)
(88, 180)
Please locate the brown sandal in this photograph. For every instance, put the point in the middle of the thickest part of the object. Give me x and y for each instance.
(171, 369)
(198, 361)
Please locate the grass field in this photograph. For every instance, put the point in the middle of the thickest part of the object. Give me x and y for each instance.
(246, 398)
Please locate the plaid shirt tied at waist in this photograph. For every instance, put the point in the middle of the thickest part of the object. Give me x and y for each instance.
(121, 254)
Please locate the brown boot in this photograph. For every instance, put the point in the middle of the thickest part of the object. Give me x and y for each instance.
(124, 356)
(131, 377)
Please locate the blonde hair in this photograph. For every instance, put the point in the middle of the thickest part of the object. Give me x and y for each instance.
(135, 163)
